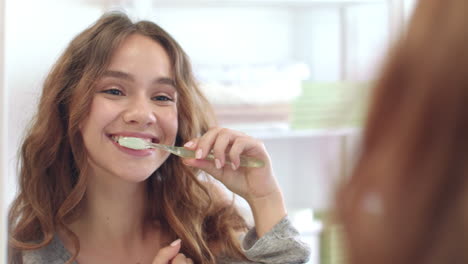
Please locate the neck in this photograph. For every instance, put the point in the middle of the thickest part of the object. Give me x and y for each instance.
(113, 210)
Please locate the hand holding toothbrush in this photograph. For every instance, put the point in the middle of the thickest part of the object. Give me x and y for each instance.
(257, 186)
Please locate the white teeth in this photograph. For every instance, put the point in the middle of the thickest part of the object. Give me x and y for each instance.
(116, 138)
(133, 143)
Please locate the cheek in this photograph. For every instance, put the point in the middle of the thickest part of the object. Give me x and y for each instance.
(175, 123)
(103, 111)
(171, 123)
(100, 114)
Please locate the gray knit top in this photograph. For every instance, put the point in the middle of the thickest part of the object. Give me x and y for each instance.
(279, 245)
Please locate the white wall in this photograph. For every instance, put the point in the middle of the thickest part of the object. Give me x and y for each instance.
(409, 6)
(36, 32)
(3, 137)
(367, 36)
(317, 41)
(307, 168)
(230, 35)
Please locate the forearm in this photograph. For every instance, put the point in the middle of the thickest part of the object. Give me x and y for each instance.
(267, 212)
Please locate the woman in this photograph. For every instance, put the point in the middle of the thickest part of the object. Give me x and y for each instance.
(84, 198)
(406, 201)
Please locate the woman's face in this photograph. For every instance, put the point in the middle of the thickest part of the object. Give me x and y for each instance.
(136, 97)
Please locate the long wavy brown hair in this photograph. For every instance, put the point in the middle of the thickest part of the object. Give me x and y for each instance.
(53, 164)
(407, 199)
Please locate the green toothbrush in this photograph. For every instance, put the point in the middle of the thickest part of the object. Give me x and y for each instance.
(139, 144)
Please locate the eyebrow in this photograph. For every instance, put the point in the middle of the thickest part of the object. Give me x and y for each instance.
(129, 77)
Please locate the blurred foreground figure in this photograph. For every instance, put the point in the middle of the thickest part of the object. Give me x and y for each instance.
(407, 200)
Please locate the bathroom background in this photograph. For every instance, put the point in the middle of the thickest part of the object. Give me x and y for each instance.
(293, 73)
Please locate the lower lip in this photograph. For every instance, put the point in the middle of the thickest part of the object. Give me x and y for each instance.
(134, 152)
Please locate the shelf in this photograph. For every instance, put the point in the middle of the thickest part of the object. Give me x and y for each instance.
(253, 2)
(238, 3)
(297, 134)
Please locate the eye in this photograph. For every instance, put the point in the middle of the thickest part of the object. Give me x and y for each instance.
(162, 98)
(113, 91)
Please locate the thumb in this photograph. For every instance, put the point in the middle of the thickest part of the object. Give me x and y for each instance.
(166, 254)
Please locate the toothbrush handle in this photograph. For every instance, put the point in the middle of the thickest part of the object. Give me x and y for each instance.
(186, 153)
(247, 162)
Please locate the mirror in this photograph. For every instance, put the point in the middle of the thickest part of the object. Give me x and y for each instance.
(293, 74)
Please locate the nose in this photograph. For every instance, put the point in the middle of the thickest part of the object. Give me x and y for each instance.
(139, 112)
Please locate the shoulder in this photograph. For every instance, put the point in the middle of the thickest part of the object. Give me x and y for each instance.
(53, 253)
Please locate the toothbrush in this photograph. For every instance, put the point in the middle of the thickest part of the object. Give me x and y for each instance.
(139, 144)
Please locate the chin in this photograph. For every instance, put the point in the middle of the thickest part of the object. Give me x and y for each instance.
(135, 177)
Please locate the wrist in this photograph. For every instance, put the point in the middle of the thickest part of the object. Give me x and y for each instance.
(267, 211)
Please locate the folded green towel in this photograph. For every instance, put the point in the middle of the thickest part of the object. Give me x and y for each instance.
(330, 105)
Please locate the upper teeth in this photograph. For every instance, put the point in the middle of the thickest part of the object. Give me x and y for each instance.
(133, 142)
(116, 138)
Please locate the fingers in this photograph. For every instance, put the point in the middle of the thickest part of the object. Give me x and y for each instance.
(202, 145)
(170, 254)
(166, 254)
(223, 140)
(237, 148)
(217, 141)
(206, 165)
(181, 259)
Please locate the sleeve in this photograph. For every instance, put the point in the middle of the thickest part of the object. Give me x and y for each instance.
(54, 253)
(280, 245)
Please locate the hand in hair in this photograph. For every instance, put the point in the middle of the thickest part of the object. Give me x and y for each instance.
(170, 254)
(257, 186)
